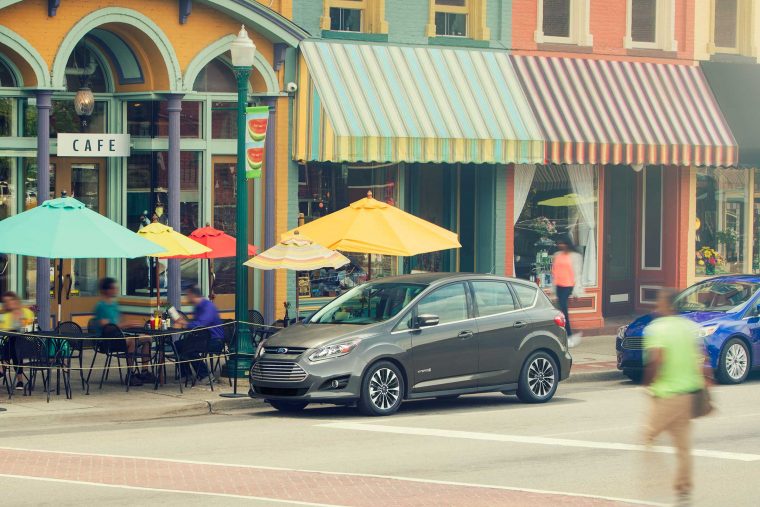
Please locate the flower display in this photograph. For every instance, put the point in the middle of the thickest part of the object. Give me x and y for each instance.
(542, 225)
(709, 258)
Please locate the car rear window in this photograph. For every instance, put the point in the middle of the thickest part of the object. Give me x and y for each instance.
(525, 293)
(493, 298)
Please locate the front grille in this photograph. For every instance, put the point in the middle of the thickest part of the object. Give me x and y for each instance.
(277, 371)
(279, 391)
(633, 343)
(291, 351)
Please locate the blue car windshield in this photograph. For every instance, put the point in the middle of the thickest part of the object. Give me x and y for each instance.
(368, 304)
(715, 296)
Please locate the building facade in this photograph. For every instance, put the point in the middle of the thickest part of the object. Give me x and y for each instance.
(160, 72)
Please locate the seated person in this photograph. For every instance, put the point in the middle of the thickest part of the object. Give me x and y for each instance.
(205, 314)
(107, 312)
(14, 318)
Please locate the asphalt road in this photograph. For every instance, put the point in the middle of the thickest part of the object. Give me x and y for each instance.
(580, 449)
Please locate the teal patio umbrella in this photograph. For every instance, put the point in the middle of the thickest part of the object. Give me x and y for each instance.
(65, 228)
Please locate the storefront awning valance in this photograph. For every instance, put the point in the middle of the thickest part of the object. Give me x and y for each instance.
(614, 112)
(385, 103)
(736, 87)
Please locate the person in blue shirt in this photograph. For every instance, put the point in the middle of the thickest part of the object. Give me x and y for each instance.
(107, 311)
(205, 314)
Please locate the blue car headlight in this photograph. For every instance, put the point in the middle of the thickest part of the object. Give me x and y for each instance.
(706, 331)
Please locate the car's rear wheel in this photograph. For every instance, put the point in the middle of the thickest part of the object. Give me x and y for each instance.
(734, 363)
(288, 406)
(538, 378)
(382, 389)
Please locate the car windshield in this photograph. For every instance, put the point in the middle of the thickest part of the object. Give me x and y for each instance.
(368, 304)
(715, 296)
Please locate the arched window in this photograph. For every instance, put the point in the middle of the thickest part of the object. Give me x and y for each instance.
(85, 68)
(7, 77)
(216, 77)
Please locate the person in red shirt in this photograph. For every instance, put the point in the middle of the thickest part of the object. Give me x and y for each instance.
(565, 271)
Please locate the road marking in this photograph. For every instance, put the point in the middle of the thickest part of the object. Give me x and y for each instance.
(164, 490)
(325, 472)
(519, 439)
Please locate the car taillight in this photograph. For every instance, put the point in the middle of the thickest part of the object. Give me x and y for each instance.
(559, 319)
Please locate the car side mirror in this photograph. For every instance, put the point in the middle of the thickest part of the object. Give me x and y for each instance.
(427, 320)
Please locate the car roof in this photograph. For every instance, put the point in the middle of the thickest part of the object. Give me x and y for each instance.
(435, 278)
(735, 278)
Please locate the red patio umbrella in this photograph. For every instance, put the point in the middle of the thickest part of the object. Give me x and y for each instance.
(221, 245)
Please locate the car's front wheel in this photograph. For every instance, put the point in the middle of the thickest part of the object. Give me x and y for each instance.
(382, 389)
(288, 406)
(538, 378)
(734, 362)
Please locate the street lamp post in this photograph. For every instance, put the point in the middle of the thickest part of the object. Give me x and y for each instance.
(243, 52)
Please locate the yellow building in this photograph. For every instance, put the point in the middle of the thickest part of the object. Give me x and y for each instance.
(148, 63)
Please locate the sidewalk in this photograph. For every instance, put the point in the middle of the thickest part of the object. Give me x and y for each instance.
(595, 359)
(113, 404)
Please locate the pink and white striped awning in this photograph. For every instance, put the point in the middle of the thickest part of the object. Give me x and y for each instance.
(616, 112)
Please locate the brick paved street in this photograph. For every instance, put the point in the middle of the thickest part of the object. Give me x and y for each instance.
(311, 487)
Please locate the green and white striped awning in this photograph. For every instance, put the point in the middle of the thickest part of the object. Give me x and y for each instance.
(386, 103)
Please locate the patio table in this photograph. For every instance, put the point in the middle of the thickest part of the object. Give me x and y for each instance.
(159, 336)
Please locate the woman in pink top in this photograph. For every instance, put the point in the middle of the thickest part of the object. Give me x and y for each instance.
(564, 272)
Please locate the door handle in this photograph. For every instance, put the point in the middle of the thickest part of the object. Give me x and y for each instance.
(519, 324)
(465, 335)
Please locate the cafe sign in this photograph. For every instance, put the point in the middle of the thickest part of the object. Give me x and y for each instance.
(93, 145)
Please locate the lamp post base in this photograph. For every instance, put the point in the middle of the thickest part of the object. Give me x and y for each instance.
(233, 395)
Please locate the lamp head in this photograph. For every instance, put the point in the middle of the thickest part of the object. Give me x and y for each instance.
(243, 50)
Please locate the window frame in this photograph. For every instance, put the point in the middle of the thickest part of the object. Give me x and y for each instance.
(579, 22)
(665, 15)
(372, 16)
(741, 9)
(644, 266)
(476, 24)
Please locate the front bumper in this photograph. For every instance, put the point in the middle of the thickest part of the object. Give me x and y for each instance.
(631, 359)
(335, 380)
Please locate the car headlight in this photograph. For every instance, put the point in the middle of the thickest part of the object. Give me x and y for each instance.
(621, 332)
(706, 331)
(259, 350)
(334, 350)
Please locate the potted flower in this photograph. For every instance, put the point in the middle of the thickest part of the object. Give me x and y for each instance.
(709, 258)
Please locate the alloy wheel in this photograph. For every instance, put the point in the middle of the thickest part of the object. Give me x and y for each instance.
(384, 388)
(540, 377)
(736, 361)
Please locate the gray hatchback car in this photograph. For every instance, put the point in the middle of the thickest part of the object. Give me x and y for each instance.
(417, 336)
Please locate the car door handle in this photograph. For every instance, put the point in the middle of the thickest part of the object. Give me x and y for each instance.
(519, 324)
(465, 335)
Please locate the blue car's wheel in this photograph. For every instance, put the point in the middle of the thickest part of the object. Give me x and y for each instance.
(734, 363)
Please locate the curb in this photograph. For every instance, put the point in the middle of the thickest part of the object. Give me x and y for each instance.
(595, 376)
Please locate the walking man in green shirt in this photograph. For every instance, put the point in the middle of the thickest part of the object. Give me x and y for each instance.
(674, 372)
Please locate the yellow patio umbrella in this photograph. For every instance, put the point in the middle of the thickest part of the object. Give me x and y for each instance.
(567, 201)
(298, 253)
(373, 227)
(174, 244)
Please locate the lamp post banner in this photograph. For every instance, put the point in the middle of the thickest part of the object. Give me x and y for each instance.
(255, 134)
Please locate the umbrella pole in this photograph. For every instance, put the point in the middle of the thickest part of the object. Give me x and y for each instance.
(60, 288)
(369, 267)
(158, 286)
(297, 299)
(211, 280)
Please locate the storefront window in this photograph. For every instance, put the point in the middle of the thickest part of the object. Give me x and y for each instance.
(559, 201)
(720, 221)
(147, 197)
(30, 201)
(224, 120)
(7, 208)
(64, 119)
(148, 118)
(225, 196)
(7, 116)
(324, 188)
(216, 77)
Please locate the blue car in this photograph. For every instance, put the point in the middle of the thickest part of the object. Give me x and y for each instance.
(727, 309)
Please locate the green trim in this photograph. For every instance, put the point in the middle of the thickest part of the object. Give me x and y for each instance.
(219, 48)
(458, 41)
(265, 21)
(291, 74)
(25, 50)
(14, 70)
(500, 220)
(357, 36)
(117, 15)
